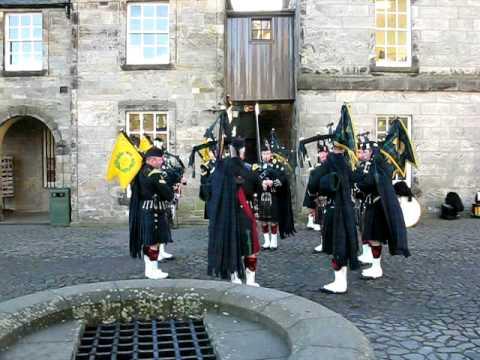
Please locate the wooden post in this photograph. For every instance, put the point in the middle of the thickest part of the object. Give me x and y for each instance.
(257, 113)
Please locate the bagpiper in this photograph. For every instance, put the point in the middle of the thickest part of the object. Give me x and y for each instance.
(148, 223)
(335, 182)
(314, 202)
(365, 147)
(383, 221)
(274, 198)
(172, 171)
(233, 239)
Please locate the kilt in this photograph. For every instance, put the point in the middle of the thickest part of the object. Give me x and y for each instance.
(327, 229)
(247, 227)
(375, 223)
(268, 207)
(154, 227)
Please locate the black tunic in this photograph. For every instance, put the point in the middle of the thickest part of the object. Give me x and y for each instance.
(148, 223)
(314, 201)
(275, 204)
(230, 232)
(334, 180)
(268, 200)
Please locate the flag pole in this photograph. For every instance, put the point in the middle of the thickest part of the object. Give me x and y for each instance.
(257, 113)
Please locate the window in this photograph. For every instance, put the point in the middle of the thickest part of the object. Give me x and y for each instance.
(151, 124)
(383, 124)
(48, 158)
(148, 33)
(23, 42)
(262, 29)
(393, 33)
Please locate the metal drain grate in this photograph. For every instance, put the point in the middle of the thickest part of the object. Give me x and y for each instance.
(151, 340)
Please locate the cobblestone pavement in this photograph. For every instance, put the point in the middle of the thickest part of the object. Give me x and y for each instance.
(425, 307)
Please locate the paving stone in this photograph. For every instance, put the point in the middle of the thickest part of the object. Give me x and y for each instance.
(472, 355)
(414, 357)
(411, 305)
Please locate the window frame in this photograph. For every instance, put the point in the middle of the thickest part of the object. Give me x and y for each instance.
(8, 66)
(262, 18)
(385, 62)
(48, 159)
(142, 132)
(133, 60)
(388, 117)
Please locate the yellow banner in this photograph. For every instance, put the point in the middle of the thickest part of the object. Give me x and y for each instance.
(145, 144)
(125, 161)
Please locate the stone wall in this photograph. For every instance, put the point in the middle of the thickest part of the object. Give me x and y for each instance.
(107, 88)
(38, 94)
(337, 37)
(445, 129)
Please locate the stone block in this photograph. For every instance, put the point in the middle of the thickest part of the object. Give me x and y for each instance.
(434, 109)
(328, 353)
(329, 328)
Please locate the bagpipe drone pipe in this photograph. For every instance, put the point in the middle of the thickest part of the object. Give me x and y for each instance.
(302, 149)
(173, 169)
(212, 149)
(287, 158)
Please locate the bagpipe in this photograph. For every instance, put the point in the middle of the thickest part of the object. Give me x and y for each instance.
(206, 152)
(302, 149)
(213, 147)
(173, 169)
(280, 154)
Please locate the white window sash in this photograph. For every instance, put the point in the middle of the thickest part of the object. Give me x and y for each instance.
(21, 67)
(135, 53)
(399, 64)
(142, 131)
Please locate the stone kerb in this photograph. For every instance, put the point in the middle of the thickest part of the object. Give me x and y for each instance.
(311, 330)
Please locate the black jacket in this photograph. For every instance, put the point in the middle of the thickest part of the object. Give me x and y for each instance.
(225, 248)
(334, 180)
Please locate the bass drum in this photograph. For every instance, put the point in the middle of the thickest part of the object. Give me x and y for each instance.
(411, 210)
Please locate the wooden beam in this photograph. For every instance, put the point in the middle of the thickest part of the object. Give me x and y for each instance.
(33, 4)
(231, 13)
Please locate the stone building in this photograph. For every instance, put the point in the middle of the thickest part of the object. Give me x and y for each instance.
(74, 73)
(418, 59)
(153, 67)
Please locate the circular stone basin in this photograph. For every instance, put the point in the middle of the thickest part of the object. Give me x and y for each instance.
(309, 330)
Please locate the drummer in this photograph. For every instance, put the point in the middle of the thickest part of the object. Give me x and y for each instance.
(383, 222)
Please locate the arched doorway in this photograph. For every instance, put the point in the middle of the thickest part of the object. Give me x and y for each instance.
(28, 169)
